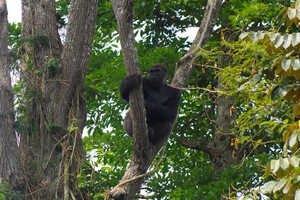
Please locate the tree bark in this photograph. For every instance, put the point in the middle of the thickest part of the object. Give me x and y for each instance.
(54, 109)
(144, 151)
(10, 170)
(185, 64)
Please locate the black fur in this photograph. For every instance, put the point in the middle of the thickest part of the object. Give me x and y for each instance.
(161, 102)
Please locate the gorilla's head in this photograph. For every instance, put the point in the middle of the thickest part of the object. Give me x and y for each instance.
(158, 75)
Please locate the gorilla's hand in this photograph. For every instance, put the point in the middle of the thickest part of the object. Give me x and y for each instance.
(135, 80)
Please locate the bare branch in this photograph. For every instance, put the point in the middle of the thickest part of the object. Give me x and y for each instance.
(185, 65)
(200, 145)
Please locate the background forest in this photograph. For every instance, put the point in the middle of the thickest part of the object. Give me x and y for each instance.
(237, 134)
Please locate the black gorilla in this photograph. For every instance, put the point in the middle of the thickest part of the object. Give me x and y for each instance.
(161, 102)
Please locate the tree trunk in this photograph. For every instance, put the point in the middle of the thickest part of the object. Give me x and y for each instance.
(145, 152)
(53, 110)
(10, 170)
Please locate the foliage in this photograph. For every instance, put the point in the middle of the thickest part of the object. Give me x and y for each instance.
(268, 68)
(7, 194)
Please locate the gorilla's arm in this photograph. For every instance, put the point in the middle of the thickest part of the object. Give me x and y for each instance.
(128, 84)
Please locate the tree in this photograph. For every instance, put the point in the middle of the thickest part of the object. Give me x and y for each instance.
(10, 168)
(51, 112)
(144, 151)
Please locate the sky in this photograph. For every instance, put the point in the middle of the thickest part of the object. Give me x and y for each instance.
(14, 10)
(15, 16)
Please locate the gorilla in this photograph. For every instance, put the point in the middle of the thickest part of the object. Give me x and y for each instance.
(161, 102)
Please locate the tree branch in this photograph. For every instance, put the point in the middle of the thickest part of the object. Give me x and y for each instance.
(124, 14)
(200, 145)
(185, 64)
(143, 153)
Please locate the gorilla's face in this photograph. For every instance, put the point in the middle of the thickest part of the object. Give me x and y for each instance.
(158, 75)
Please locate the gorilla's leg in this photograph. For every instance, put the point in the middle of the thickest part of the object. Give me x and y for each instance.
(159, 131)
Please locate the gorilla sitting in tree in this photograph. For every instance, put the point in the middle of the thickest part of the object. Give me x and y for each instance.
(161, 102)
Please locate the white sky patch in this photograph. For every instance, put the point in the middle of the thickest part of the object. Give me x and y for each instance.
(14, 11)
(190, 33)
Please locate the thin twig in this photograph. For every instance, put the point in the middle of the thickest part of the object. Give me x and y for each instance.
(205, 89)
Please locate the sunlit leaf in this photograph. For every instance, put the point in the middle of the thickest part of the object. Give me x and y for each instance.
(293, 139)
(253, 36)
(243, 35)
(298, 13)
(272, 36)
(295, 39)
(297, 194)
(287, 188)
(275, 164)
(295, 161)
(260, 35)
(297, 4)
(296, 179)
(295, 64)
(280, 185)
(268, 187)
(291, 13)
(278, 41)
(278, 92)
(285, 64)
(287, 40)
(284, 163)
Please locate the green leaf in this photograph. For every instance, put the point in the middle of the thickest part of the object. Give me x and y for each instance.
(293, 139)
(291, 13)
(295, 161)
(297, 4)
(260, 35)
(287, 40)
(268, 187)
(297, 194)
(253, 36)
(278, 41)
(243, 35)
(278, 92)
(298, 13)
(275, 164)
(284, 163)
(285, 64)
(280, 185)
(295, 64)
(295, 39)
(287, 188)
(272, 36)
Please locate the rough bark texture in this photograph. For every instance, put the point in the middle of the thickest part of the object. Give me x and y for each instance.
(221, 150)
(142, 155)
(10, 170)
(54, 114)
(144, 152)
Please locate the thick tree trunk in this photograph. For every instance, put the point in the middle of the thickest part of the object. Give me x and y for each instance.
(10, 170)
(145, 152)
(54, 109)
